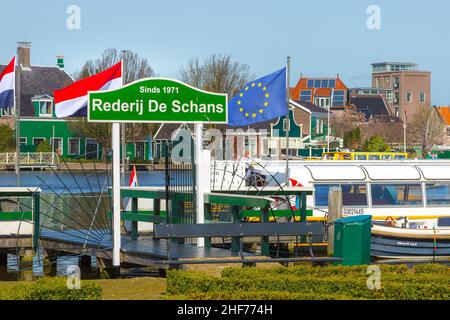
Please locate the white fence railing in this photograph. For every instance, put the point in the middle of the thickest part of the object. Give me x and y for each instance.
(30, 159)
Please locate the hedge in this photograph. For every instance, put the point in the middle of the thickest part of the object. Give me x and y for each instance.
(54, 288)
(257, 295)
(305, 282)
(318, 270)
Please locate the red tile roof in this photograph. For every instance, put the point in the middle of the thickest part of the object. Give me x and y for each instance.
(444, 112)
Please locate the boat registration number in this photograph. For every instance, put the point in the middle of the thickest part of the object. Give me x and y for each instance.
(353, 211)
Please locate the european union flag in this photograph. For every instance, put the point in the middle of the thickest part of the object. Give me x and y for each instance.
(260, 100)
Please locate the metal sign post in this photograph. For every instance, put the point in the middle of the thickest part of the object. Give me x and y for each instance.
(116, 193)
(157, 100)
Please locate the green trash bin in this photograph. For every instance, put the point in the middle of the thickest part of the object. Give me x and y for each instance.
(352, 240)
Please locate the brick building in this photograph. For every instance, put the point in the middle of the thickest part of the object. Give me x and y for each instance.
(406, 89)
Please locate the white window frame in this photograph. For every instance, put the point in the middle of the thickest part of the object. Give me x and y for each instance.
(62, 144)
(34, 138)
(411, 96)
(45, 115)
(422, 94)
(7, 111)
(68, 147)
(135, 148)
(326, 102)
(26, 141)
(96, 142)
(284, 125)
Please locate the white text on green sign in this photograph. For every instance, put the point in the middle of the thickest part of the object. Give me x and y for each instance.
(157, 100)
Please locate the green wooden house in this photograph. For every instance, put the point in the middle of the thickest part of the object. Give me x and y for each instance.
(307, 129)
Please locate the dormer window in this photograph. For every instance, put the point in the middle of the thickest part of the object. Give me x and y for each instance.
(43, 106)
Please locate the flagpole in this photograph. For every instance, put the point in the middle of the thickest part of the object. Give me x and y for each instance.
(17, 114)
(288, 127)
(328, 120)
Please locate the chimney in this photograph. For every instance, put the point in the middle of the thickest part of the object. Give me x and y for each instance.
(23, 50)
(60, 62)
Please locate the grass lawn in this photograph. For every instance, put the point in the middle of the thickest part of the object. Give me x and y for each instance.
(142, 288)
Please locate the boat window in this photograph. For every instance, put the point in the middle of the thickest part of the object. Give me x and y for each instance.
(443, 222)
(352, 194)
(374, 157)
(399, 157)
(396, 195)
(347, 156)
(438, 194)
(360, 157)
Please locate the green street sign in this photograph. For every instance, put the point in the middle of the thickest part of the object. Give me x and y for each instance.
(157, 100)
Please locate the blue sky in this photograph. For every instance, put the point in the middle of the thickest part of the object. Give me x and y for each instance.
(322, 37)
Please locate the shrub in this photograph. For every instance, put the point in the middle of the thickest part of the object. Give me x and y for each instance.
(306, 282)
(7, 141)
(52, 289)
(433, 268)
(44, 146)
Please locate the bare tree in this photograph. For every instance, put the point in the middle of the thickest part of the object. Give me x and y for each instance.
(99, 131)
(426, 129)
(345, 121)
(135, 68)
(387, 128)
(216, 73)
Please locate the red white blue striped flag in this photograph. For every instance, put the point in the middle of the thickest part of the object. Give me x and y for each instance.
(71, 101)
(8, 85)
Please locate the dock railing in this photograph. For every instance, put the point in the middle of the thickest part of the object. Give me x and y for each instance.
(30, 159)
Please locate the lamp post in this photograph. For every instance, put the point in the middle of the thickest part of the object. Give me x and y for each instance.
(328, 120)
(404, 132)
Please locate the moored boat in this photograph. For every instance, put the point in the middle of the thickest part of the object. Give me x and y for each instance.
(408, 242)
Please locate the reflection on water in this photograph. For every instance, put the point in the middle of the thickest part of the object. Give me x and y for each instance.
(41, 267)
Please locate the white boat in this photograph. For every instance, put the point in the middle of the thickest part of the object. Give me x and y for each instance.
(409, 242)
(416, 189)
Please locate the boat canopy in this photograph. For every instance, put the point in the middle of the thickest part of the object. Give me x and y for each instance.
(392, 172)
(378, 172)
(333, 172)
(433, 172)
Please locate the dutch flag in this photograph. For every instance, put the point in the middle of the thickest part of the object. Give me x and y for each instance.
(133, 178)
(71, 101)
(7, 85)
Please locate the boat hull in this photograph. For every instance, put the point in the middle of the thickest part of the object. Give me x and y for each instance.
(403, 247)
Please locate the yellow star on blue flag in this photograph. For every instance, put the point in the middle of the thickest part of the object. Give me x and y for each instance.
(259, 100)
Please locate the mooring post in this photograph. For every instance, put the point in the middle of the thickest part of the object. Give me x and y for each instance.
(334, 213)
(3, 261)
(235, 241)
(36, 219)
(26, 265)
(84, 262)
(51, 266)
(134, 224)
(265, 249)
(208, 217)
